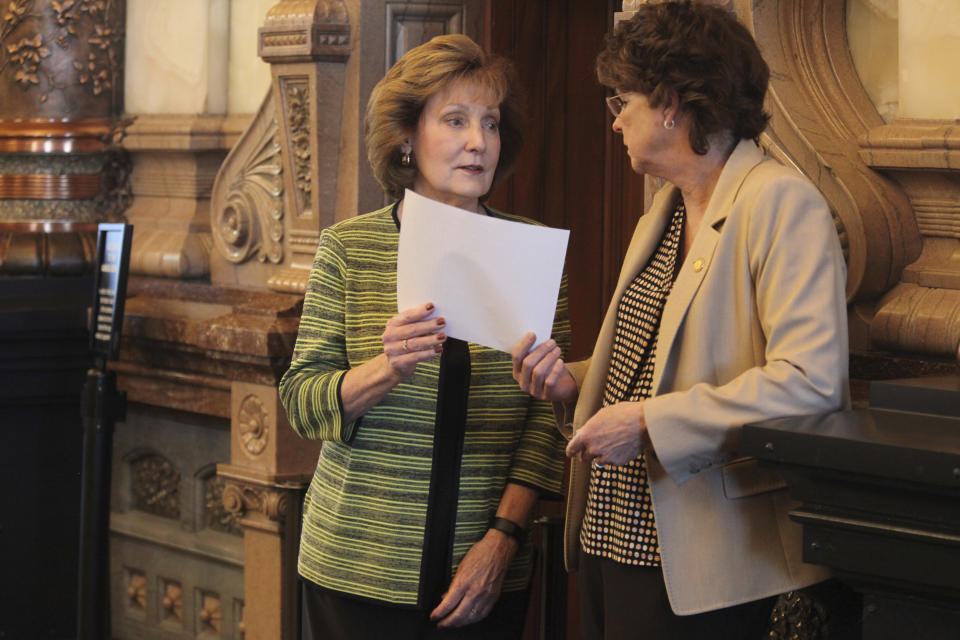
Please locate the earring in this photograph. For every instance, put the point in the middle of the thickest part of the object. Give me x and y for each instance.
(405, 159)
(669, 124)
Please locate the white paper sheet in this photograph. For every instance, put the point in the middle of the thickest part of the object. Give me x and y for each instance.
(492, 280)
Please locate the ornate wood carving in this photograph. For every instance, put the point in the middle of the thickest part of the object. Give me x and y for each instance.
(172, 602)
(272, 204)
(249, 222)
(253, 425)
(297, 108)
(136, 591)
(61, 58)
(242, 500)
(155, 486)
(216, 516)
(209, 613)
(304, 31)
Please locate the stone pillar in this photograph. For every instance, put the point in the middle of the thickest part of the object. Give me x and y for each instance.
(269, 468)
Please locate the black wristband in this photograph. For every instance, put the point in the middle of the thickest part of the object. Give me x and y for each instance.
(508, 527)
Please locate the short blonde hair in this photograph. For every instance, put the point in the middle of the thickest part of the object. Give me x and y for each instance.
(397, 102)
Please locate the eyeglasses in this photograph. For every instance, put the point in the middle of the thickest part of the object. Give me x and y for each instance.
(616, 104)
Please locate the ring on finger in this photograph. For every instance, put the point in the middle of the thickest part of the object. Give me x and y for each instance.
(405, 348)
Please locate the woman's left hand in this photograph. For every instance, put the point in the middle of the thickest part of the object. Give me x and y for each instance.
(476, 586)
(614, 435)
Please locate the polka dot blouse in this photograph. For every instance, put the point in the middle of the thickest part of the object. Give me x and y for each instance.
(619, 522)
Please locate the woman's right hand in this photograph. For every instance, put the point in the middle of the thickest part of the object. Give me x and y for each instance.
(542, 372)
(411, 337)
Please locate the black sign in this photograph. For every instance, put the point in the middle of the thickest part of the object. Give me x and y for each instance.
(110, 288)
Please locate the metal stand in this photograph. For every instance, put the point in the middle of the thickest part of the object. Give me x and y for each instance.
(103, 405)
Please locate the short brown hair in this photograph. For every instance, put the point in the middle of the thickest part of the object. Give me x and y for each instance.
(398, 99)
(702, 53)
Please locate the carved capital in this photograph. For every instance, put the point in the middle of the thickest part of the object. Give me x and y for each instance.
(305, 31)
(243, 499)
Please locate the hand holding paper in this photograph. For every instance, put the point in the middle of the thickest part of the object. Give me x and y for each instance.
(493, 280)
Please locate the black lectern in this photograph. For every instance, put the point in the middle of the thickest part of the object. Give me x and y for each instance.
(880, 493)
(102, 406)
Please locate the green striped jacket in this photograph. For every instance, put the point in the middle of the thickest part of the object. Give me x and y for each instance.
(364, 515)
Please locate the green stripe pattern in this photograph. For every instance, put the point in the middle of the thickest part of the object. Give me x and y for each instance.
(365, 513)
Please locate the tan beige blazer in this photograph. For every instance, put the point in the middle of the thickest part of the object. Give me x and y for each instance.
(755, 327)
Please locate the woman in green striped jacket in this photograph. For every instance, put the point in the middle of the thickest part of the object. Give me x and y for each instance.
(433, 457)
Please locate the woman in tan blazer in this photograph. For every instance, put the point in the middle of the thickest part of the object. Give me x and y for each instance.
(730, 308)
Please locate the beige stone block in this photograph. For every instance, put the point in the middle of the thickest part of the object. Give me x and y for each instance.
(176, 56)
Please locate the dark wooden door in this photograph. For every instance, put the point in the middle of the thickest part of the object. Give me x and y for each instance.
(573, 172)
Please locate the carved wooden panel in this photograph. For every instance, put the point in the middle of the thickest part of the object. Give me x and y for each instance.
(155, 486)
(183, 543)
(412, 23)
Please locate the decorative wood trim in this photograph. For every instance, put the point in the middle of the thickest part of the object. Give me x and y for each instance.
(305, 31)
(290, 280)
(246, 213)
(913, 144)
(433, 19)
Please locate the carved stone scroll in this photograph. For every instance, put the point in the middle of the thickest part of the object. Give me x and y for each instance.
(249, 223)
(819, 111)
(272, 204)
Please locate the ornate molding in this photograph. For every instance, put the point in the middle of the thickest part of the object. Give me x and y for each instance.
(305, 31)
(913, 144)
(246, 216)
(136, 590)
(155, 486)
(172, 602)
(290, 280)
(919, 319)
(819, 112)
(216, 516)
(253, 425)
(296, 96)
(209, 613)
(242, 499)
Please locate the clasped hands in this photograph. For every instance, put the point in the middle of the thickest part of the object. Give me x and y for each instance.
(614, 435)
